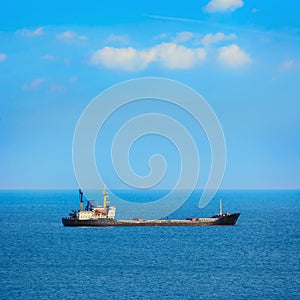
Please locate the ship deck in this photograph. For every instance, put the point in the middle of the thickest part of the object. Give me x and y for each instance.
(223, 220)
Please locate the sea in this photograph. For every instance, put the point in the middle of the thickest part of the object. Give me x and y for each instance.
(259, 258)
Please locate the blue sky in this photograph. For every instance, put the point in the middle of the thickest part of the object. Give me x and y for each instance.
(242, 56)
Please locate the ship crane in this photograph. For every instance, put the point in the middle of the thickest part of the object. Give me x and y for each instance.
(81, 200)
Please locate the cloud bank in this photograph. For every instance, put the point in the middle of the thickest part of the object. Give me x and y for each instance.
(168, 55)
(216, 38)
(223, 5)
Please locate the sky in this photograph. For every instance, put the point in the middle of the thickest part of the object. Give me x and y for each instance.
(242, 56)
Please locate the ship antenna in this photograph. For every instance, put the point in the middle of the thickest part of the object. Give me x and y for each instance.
(221, 212)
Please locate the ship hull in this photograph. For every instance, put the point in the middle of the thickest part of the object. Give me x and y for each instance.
(228, 220)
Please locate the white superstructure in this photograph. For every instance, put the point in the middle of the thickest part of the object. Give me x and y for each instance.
(93, 212)
(98, 212)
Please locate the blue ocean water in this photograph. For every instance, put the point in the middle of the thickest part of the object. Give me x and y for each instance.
(256, 259)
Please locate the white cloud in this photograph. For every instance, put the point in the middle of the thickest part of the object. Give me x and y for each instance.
(161, 36)
(57, 88)
(233, 56)
(218, 37)
(168, 55)
(287, 65)
(34, 84)
(223, 5)
(255, 10)
(73, 79)
(69, 35)
(121, 39)
(3, 57)
(174, 56)
(48, 57)
(31, 33)
(127, 59)
(182, 37)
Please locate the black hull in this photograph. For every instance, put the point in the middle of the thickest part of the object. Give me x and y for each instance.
(228, 220)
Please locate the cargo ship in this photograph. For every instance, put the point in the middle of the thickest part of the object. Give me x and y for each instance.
(93, 215)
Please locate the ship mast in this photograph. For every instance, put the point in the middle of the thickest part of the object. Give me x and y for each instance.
(105, 197)
(221, 211)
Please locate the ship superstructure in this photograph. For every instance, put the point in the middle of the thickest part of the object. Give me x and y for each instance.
(92, 211)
